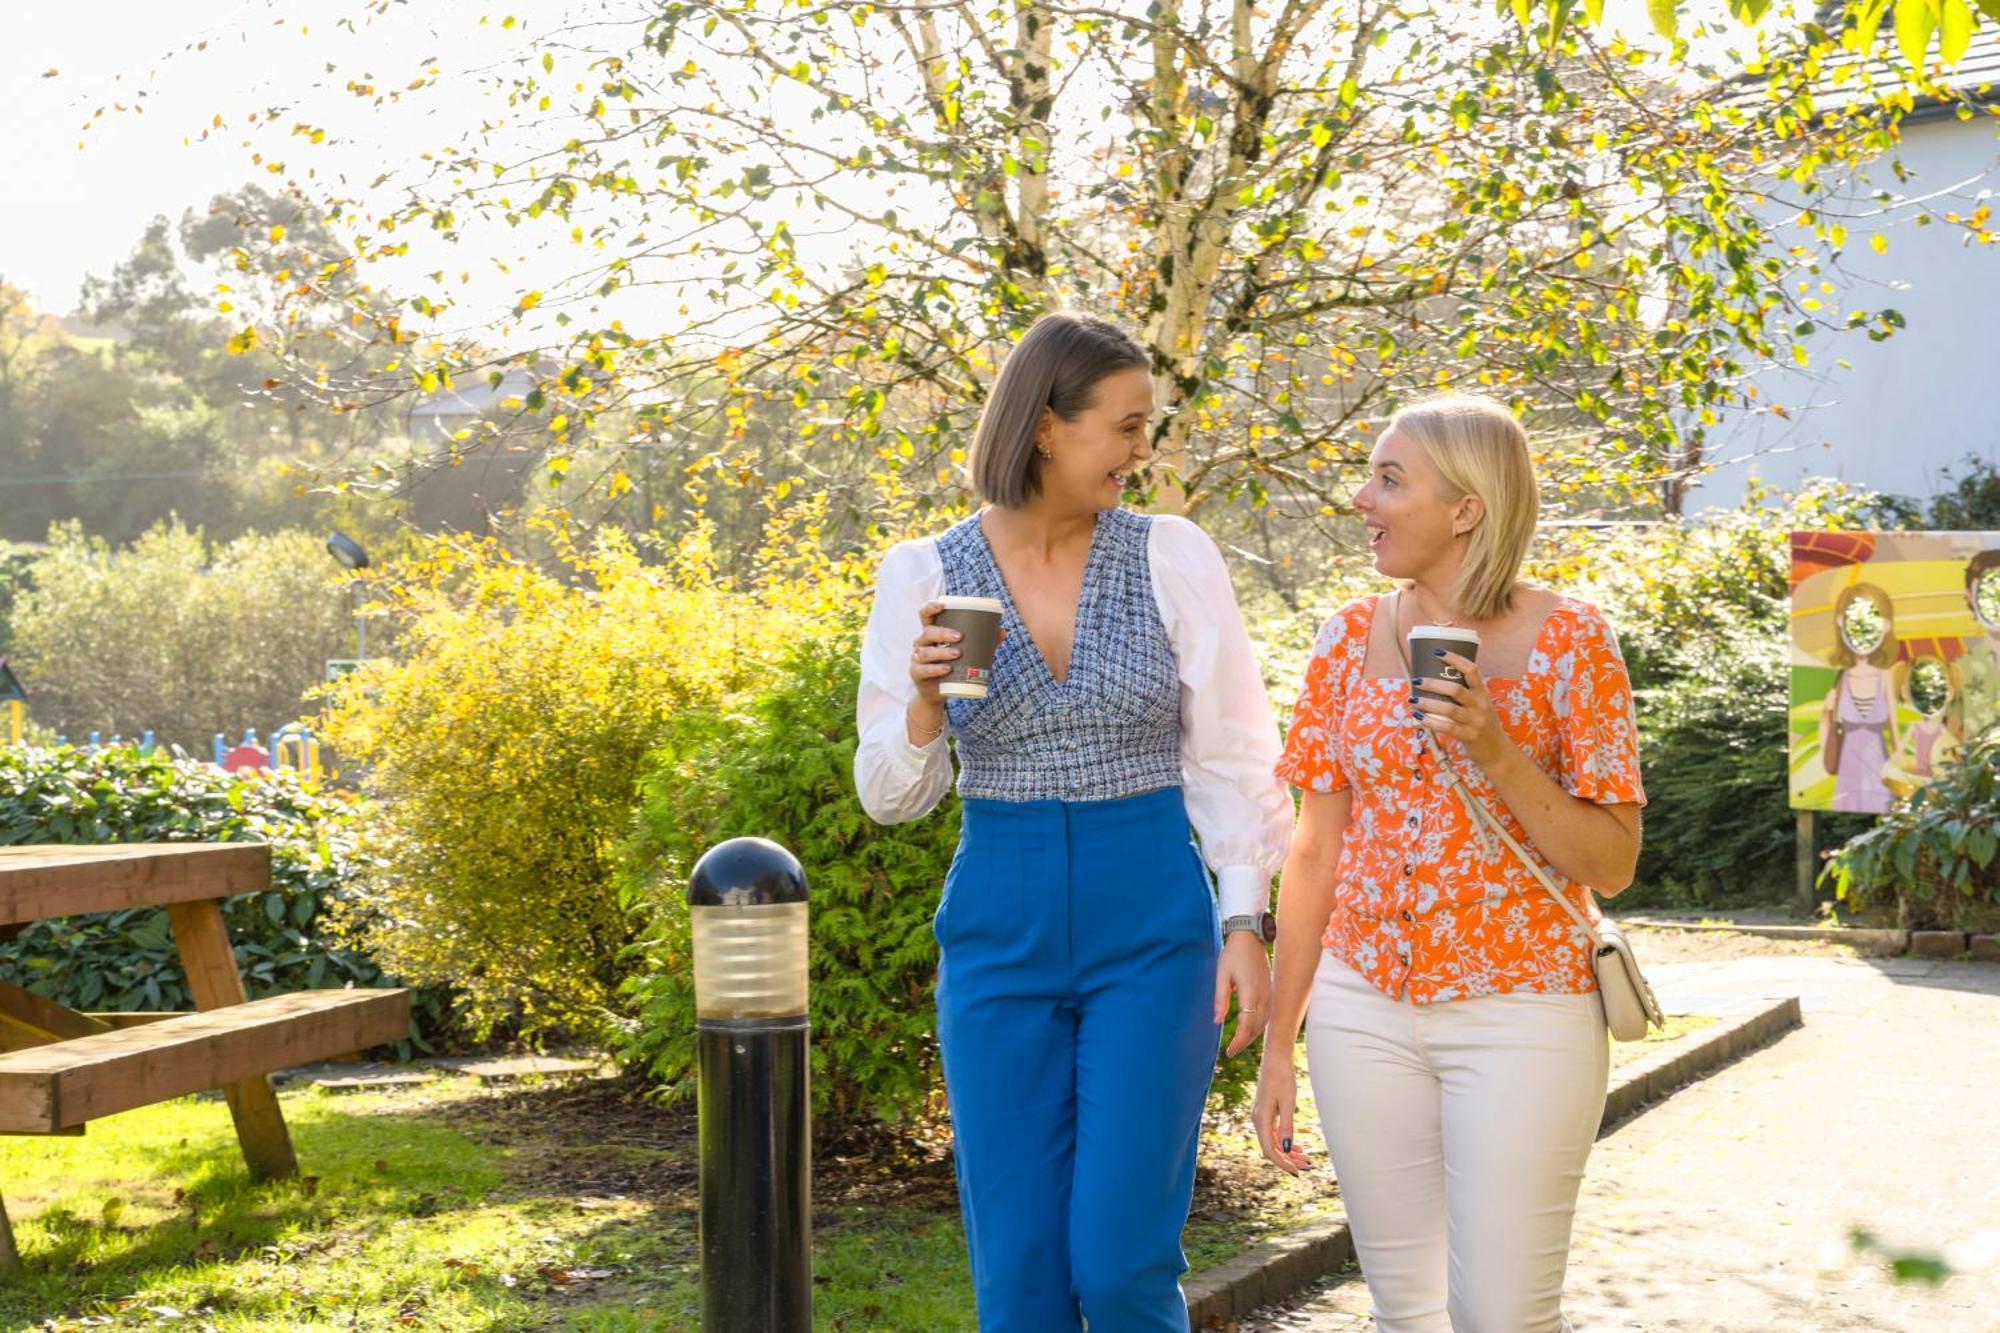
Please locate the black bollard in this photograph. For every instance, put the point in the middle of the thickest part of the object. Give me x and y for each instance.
(747, 904)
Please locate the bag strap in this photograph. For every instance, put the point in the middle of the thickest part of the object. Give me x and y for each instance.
(1482, 818)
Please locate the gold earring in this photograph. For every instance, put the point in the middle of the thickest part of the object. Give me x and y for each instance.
(1044, 453)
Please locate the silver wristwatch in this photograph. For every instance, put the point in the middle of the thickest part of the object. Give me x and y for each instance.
(1261, 924)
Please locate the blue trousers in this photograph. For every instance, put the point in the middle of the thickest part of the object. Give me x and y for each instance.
(1079, 944)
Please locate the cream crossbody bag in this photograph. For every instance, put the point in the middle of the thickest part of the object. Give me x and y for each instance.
(1630, 1007)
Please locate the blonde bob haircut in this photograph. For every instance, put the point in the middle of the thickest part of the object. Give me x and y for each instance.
(1479, 449)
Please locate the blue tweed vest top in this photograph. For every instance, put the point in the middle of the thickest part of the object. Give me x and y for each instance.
(1112, 727)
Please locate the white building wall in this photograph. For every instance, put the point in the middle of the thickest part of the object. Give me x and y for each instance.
(1912, 406)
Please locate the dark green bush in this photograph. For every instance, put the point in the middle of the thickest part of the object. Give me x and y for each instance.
(126, 960)
(1936, 856)
(785, 772)
(1718, 828)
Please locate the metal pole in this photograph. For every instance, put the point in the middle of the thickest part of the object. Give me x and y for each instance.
(747, 905)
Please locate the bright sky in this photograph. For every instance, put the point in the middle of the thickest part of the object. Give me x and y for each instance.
(79, 210)
(84, 195)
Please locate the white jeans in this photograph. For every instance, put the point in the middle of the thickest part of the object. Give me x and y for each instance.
(1458, 1131)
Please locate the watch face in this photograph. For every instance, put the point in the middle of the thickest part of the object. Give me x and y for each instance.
(1270, 928)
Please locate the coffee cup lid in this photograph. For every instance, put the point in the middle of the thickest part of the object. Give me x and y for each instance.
(1458, 632)
(992, 604)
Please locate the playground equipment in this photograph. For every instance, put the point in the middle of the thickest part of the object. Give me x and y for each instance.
(292, 746)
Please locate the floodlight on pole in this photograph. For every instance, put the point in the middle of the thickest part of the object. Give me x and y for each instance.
(347, 551)
(354, 559)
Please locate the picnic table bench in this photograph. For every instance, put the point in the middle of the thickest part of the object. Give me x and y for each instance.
(60, 1068)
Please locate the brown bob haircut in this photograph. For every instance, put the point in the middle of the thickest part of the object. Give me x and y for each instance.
(1056, 365)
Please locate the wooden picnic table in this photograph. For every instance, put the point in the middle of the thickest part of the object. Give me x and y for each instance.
(61, 1068)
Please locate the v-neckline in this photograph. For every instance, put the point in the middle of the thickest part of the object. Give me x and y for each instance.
(1082, 599)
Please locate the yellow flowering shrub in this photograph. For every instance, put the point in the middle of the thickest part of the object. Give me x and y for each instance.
(503, 750)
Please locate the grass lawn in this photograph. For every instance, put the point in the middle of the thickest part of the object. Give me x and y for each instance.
(404, 1220)
(451, 1206)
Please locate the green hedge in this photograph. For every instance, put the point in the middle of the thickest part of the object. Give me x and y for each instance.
(126, 960)
(785, 771)
(1718, 827)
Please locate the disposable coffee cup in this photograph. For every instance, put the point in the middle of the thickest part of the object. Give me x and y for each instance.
(1425, 664)
(978, 620)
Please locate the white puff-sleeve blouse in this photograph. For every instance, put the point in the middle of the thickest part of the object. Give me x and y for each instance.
(1229, 739)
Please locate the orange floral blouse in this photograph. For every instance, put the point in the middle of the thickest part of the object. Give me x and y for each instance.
(1423, 906)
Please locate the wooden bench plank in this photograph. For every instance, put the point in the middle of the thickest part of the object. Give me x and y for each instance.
(53, 1087)
(50, 880)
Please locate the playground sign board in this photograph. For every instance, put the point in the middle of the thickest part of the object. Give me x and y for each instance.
(1895, 660)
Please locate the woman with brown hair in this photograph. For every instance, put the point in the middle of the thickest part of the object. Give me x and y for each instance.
(1084, 975)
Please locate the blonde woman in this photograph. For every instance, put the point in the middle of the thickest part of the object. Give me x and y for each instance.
(1457, 1052)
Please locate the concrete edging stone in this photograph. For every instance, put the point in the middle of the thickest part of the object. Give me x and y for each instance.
(1874, 940)
(1286, 1265)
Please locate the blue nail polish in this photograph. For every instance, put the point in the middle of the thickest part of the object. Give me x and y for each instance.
(1285, 1146)
(1437, 652)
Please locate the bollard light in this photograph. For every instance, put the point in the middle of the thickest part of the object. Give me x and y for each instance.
(747, 908)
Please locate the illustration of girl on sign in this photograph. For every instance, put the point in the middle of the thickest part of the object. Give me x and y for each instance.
(1857, 725)
(1930, 688)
